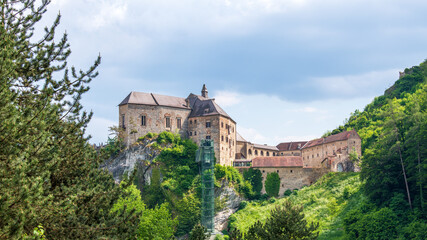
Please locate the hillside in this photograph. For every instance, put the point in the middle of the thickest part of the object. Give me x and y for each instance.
(326, 202)
(390, 204)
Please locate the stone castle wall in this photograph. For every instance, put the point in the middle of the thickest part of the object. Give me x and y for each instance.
(313, 156)
(224, 137)
(155, 117)
(291, 177)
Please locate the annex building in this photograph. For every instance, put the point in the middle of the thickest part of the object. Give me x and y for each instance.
(199, 117)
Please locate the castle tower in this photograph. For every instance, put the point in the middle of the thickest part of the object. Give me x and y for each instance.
(204, 91)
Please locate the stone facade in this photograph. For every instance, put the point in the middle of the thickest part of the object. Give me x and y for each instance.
(332, 152)
(196, 117)
(290, 177)
(221, 130)
(154, 120)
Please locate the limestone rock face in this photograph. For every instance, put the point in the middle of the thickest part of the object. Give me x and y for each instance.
(231, 201)
(136, 157)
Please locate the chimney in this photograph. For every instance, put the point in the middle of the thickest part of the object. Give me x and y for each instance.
(204, 91)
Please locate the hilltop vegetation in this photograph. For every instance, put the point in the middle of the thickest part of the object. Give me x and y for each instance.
(324, 202)
(388, 201)
(393, 129)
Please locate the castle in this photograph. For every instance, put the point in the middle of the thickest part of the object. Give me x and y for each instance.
(199, 117)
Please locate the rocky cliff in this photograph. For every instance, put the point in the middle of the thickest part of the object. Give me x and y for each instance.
(137, 157)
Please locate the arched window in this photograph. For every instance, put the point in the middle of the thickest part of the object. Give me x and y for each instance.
(268, 154)
(256, 152)
(262, 153)
(250, 152)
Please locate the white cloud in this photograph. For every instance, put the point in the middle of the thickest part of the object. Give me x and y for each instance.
(227, 98)
(356, 85)
(108, 13)
(267, 119)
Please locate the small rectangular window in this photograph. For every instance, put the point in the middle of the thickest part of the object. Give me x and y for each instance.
(195, 121)
(123, 121)
(208, 137)
(208, 124)
(178, 123)
(168, 122)
(143, 122)
(195, 133)
(191, 133)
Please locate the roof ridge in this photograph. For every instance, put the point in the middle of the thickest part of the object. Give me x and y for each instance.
(155, 100)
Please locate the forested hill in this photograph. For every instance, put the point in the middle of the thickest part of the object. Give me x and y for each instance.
(393, 128)
(364, 122)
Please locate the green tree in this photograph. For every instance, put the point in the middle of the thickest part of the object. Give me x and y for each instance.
(272, 184)
(285, 222)
(50, 175)
(188, 213)
(254, 176)
(199, 232)
(157, 223)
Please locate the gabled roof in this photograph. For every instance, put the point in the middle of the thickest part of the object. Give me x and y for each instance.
(202, 106)
(291, 146)
(265, 147)
(333, 138)
(277, 161)
(154, 100)
(239, 138)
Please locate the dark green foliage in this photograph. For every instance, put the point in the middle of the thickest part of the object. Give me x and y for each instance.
(188, 209)
(50, 175)
(113, 147)
(232, 175)
(156, 223)
(393, 129)
(272, 184)
(177, 163)
(285, 222)
(254, 176)
(363, 224)
(199, 232)
(235, 234)
(288, 192)
(154, 194)
(416, 230)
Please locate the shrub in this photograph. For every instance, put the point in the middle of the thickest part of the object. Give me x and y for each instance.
(272, 184)
(285, 222)
(242, 204)
(287, 193)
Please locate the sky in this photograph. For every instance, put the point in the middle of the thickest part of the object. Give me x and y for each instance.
(284, 70)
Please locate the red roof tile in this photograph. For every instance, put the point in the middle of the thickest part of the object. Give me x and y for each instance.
(277, 161)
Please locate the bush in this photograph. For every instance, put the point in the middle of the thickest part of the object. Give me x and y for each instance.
(254, 176)
(379, 224)
(242, 205)
(272, 184)
(287, 193)
(285, 222)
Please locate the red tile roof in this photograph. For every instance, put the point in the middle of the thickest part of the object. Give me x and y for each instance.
(291, 146)
(277, 161)
(333, 138)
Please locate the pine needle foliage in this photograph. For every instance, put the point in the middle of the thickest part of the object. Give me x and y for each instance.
(49, 174)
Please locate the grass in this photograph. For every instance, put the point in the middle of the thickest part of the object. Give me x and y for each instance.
(325, 202)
